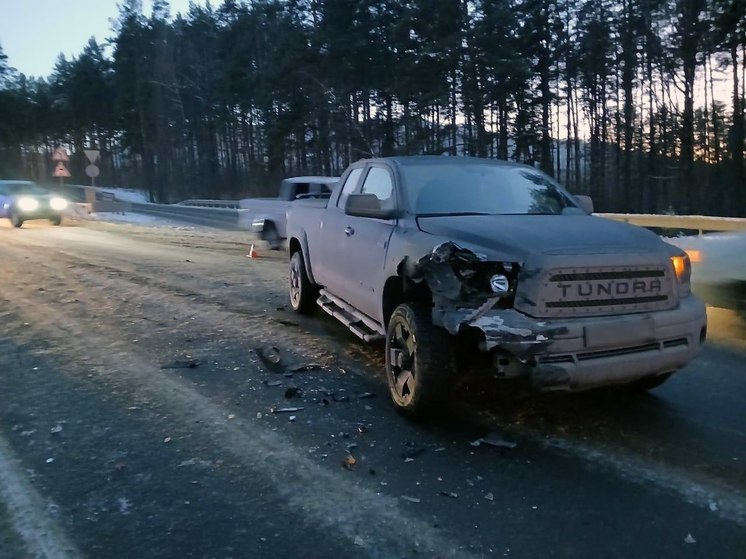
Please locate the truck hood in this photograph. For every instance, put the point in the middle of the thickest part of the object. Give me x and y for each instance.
(518, 236)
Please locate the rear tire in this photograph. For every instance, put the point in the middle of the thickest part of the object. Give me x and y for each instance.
(15, 219)
(303, 293)
(272, 237)
(420, 364)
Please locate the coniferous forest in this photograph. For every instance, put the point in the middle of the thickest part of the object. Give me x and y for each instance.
(639, 103)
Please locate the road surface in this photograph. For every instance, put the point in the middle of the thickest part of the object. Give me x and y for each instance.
(137, 391)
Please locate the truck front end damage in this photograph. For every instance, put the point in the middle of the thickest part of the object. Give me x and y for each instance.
(567, 320)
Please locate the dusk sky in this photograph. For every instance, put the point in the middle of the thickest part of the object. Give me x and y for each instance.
(34, 32)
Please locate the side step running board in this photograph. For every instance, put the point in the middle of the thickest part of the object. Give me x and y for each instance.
(359, 324)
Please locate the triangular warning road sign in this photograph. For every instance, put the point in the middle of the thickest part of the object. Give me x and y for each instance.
(60, 154)
(60, 170)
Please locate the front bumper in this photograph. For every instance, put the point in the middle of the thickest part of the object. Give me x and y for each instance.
(38, 214)
(581, 353)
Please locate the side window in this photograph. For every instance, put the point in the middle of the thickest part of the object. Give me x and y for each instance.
(378, 182)
(349, 187)
(301, 188)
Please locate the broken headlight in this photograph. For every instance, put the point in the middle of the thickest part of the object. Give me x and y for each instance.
(488, 278)
(500, 284)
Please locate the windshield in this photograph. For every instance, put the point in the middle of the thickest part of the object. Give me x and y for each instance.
(482, 189)
(25, 188)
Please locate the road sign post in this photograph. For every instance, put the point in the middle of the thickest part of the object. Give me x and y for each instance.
(92, 170)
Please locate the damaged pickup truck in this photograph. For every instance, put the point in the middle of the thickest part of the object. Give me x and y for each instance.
(463, 260)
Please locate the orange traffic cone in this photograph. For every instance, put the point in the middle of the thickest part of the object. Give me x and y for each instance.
(252, 252)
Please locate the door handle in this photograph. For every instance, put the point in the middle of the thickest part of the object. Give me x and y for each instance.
(349, 231)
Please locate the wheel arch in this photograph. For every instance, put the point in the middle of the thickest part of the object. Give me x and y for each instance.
(300, 244)
(399, 289)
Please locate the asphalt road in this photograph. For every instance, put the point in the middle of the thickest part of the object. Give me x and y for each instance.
(136, 420)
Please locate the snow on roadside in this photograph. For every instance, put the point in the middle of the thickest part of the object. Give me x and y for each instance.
(134, 218)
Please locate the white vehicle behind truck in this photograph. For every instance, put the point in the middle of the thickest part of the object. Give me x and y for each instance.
(266, 217)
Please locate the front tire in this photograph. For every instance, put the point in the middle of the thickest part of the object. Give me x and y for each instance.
(303, 293)
(56, 220)
(15, 219)
(420, 361)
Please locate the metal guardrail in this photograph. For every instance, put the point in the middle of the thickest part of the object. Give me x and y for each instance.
(220, 217)
(230, 204)
(699, 223)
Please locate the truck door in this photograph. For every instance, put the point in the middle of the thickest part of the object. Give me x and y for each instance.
(326, 260)
(362, 243)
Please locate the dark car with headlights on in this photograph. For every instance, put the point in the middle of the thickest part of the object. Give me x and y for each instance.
(472, 264)
(22, 201)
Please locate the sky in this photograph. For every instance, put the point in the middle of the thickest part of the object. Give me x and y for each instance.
(34, 32)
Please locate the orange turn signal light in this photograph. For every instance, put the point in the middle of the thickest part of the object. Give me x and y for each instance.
(681, 266)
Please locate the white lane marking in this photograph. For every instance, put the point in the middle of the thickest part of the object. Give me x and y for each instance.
(729, 502)
(28, 512)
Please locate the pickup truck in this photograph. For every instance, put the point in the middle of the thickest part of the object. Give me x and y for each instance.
(265, 217)
(466, 263)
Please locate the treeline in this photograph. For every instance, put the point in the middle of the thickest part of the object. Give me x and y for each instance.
(639, 103)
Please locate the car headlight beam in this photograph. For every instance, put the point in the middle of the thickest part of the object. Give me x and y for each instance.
(58, 204)
(27, 204)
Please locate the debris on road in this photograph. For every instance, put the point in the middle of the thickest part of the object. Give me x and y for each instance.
(56, 429)
(293, 392)
(284, 410)
(366, 395)
(167, 440)
(413, 453)
(690, 539)
(449, 494)
(349, 462)
(489, 496)
(286, 322)
(493, 439)
(410, 499)
(307, 368)
(188, 363)
(359, 541)
(270, 357)
(273, 383)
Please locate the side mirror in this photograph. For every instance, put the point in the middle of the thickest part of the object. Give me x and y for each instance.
(585, 202)
(367, 205)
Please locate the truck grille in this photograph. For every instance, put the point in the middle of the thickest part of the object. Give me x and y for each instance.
(605, 291)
